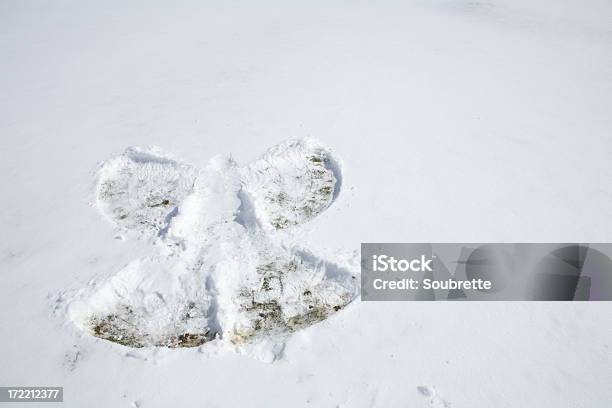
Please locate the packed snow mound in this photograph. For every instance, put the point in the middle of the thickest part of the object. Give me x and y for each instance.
(222, 268)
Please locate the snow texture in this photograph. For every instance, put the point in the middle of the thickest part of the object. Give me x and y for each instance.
(456, 121)
(219, 272)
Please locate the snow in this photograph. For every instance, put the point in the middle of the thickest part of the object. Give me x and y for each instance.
(452, 121)
(225, 267)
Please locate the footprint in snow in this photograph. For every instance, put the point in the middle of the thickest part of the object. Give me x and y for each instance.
(220, 269)
(434, 399)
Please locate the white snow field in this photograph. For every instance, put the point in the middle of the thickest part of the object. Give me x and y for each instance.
(216, 269)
